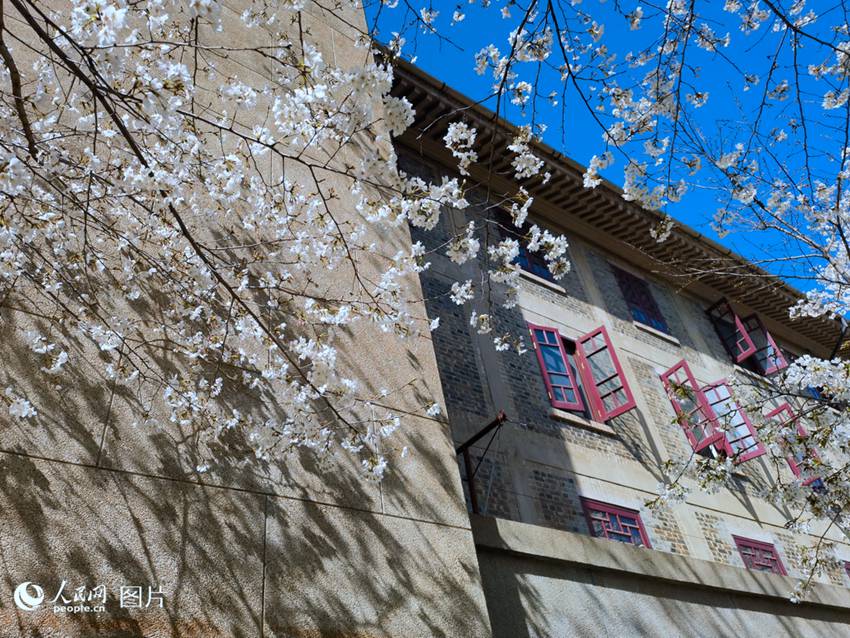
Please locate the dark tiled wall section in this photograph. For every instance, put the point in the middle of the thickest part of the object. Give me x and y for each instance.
(460, 375)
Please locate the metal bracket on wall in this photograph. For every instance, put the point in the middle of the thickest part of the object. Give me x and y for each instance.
(463, 449)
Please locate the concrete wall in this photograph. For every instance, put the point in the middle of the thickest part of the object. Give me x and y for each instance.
(543, 583)
(284, 548)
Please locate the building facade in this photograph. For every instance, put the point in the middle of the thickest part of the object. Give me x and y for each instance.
(626, 367)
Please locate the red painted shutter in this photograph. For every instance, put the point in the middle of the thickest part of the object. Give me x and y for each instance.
(555, 367)
(693, 412)
(602, 375)
(731, 331)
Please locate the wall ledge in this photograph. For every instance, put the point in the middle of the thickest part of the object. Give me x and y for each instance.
(530, 276)
(581, 422)
(544, 543)
(656, 333)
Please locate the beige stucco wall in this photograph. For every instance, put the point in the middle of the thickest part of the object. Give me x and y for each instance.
(285, 548)
(543, 583)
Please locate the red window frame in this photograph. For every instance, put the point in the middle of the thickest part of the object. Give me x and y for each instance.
(693, 412)
(611, 524)
(766, 363)
(786, 416)
(600, 373)
(553, 388)
(638, 296)
(605, 383)
(738, 344)
(723, 404)
(758, 555)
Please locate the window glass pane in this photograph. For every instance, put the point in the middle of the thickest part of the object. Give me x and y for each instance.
(559, 379)
(603, 380)
(640, 300)
(601, 365)
(616, 524)
(553, 359)
(731, 419)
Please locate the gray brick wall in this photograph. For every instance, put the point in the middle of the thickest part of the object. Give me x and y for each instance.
(460, 374)
(664, 532)
(694, 314)
(575, 300)
(556, 501)
(492, 483)
(660, 410)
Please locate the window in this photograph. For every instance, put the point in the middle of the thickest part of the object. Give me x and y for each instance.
(731, 331)
(584, 375)
(740, 433)
(768, 357)
(559, 371)
(615, 523)
(712, 420)
(532, 262)
(746, 340)
(605, 382)
(784, 414)
(693, 411)
(639, 298)
(759, 556)
(527, 260)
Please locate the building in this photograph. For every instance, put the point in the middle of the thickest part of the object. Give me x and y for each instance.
(615, 350)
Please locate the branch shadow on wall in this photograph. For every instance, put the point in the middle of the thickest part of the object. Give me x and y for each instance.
(88, 498)
(558, 598)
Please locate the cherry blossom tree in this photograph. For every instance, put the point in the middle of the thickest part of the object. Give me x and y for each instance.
(177, 209)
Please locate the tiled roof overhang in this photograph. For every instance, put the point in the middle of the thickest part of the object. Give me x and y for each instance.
(601, 216)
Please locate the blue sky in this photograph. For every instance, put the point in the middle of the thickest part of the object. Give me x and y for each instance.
(580, 136)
